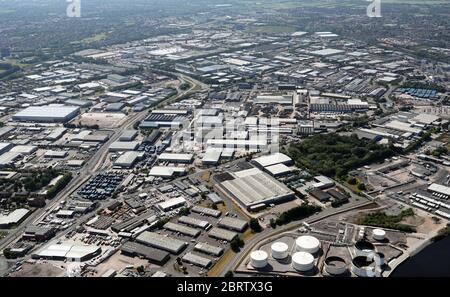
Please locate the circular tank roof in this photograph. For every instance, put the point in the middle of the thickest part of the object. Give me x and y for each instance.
(335, 261)
(259, 255)
(279, 247)
(379, 232)
(362, 262)
(303, 258)
(308, 242)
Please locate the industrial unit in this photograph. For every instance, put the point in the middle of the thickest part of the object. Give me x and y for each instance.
(48, 114)
(172, 245)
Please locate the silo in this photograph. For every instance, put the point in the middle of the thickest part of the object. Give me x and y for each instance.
(279, 250)
(364, 248)
(302, 261)
(379, 234)
(380, 259)
(258, 259)
(307, 243)
(335, 265)
(363, 266)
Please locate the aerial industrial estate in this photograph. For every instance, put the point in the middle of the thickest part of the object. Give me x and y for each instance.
(224, 144)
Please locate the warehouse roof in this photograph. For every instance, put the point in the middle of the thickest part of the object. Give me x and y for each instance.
(123, 146)
(127, 159)
(207, 211)
(14, 217)
(439, 189)
(172, 203)
(233, 223)
(196, 260)
(182, 229)
(208, 249)
(193, 222)
(276, 158)
(162, 242)
(55, 112)
(175, 157)
(152, 254)
(255, 188)
(278, 169)
(222, 234)
(166, 171)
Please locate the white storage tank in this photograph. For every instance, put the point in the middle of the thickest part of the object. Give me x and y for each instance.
(280, 250)
(363, 266)
(258, 259)
(307, 243)
(302, 261)
(364, 248)
(380, 259)
(379, 234)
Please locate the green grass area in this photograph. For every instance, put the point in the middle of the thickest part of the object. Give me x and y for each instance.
(383, 220)
(95, 38)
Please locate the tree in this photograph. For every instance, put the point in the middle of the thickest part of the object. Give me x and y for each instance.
(236, 244)
(255, 226)
(362, 187)
(229, 274)
(273, 223)
(352, 181)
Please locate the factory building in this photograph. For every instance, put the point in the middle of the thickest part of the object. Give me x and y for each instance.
(206, 211)
(48, 114)
(171, 204)
(121, 146)
(69, 252)
(167, 171)
(274, 159)
(172, 245)
(222, 234)
(233, 224)
(128, 135)
(196, 260)
(128, 159)
(208, 249)
(13, 218)
(181, 229)
(153, 255)
(253, 187)
(176, 158)
(193, 222)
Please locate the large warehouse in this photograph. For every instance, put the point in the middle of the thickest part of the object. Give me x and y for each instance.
(252, 187)
(162, 242)
(48, 114)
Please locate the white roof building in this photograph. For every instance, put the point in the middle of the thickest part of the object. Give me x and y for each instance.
(47, 113)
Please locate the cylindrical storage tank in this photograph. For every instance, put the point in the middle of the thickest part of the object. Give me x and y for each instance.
(363, 266)
(258, 259)
(307, 243)
(302, 261)
(335, 265)
(364, 248)
(380, 259)
(379, 234)
(280, 250)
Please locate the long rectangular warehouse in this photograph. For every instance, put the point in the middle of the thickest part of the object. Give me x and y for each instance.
(206, 211)
(162, 242)
(176, 158)
(196, 260)
(233, 224)
(193, 222)
(48, 114)
(222, 234)
(155, 256)
(208, 249)
(182, 229)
